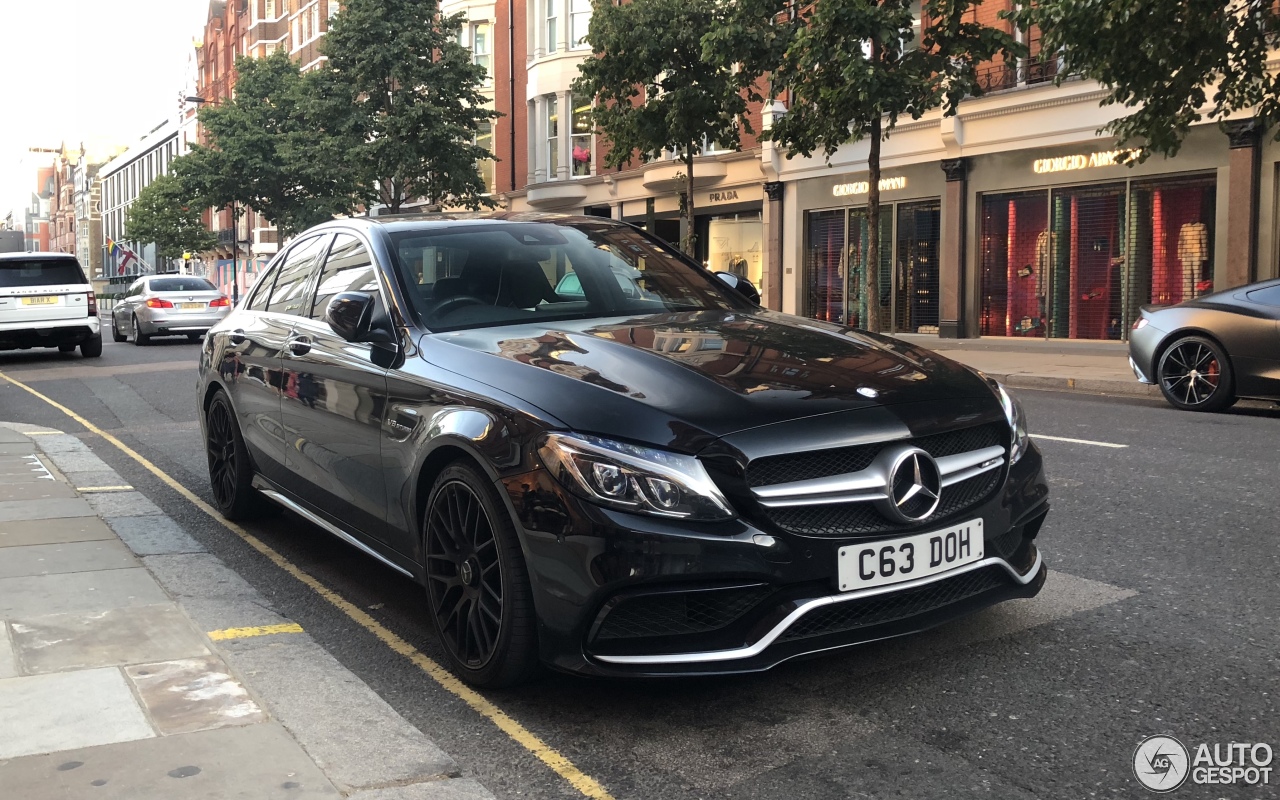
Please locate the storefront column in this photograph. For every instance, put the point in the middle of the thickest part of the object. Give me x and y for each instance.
(1242, 202)
(771, 291)
(952, 283)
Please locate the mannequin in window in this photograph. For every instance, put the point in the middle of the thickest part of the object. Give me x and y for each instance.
(1193, 252)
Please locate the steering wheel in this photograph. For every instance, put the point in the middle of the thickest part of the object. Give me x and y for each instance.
(450, 304)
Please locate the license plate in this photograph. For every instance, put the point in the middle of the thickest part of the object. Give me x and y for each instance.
(190, 306)
(863, 566)
(42, 300)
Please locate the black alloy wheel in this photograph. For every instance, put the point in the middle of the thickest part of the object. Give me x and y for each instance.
(477, 584)
(1195, 375)
(230, 471)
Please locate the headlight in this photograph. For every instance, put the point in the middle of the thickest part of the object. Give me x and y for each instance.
(1017, 416)
(633, 478)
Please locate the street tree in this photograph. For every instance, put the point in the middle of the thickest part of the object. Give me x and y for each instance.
(398, 79)
(655, 91)
(852, 69)
(273, 149)
(166, 213)
(1174, 64)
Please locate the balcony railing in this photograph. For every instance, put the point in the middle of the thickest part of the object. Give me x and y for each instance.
(1038, 69)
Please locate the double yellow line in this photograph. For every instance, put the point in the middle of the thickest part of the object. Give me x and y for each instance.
(588, 786)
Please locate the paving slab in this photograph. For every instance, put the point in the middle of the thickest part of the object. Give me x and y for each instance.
(82, 640)
(34, 489)
(193, 694)
(88, 479)
(9, 436)
(15, 448)
(259, 762)
(50, 559)
(53, 531)
(61, 443)
(84, 461)
(68, 710)
(8, 660)
(447, 789)
(38, 595)
(359, 740)
(12, 510)
(122, 504)
(150, 536)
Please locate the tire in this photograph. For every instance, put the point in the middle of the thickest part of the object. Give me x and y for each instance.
(230, 469)
(139, 338)
(91, 348)
(116, 335)
(1195, 374)
(67, 348)
(474, 562)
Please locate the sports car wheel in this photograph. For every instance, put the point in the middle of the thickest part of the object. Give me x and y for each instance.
(477, 584)
(230, 471)
(1195, 375)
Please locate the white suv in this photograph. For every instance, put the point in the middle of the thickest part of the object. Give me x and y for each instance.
(45, 301)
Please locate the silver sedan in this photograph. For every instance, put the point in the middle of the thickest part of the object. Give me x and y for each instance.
(167, 305)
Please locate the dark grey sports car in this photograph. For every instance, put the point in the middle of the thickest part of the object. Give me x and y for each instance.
(1206, 353)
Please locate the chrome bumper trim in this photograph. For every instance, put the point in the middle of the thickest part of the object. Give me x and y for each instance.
(276, 497)
(769, 638)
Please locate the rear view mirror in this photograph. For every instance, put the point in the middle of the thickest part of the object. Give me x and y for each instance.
(740, 285)
(350, 314)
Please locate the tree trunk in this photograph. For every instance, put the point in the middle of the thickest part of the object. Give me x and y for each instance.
(686, 210)
(870, 280)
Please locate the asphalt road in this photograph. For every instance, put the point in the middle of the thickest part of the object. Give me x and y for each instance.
(1160, 616)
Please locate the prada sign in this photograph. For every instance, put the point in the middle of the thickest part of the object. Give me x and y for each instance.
(727, 196)
(863, 187)
(1106, 158)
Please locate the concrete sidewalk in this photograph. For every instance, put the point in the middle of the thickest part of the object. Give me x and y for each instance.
(112, 686)
(1059, 364)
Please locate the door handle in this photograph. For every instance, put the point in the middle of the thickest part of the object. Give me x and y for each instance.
(300, 346)
(237, 336)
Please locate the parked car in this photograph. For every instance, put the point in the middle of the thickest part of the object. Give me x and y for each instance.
(46, 301)
(167, 305)
(655, 483)
(1206, 353)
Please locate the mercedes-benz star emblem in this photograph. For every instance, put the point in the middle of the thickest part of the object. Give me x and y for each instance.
(915, 486)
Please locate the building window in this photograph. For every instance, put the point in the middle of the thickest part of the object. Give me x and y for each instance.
(582, 159)
(481, 48)
(553, 11)
(484, 138)
(334, 7)
(553, 138)
(579, 22)
(271, 9)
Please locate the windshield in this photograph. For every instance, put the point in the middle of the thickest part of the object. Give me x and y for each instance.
(41, 272)
(181, 285)
(485, 274)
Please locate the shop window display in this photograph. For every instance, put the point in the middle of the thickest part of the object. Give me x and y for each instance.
(734, 244)
(1172, 241)
(916, 290)
(823, 267)
(1017, 248)
(859, 253)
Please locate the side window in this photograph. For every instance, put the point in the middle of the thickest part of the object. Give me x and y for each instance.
(262, 288)
(135, 289)
(1269, 296)
(348, 269)
(288, 296)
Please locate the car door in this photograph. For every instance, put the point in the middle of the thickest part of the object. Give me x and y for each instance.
(123, 312)
(254, 346)
(333, 401)
(1264, 355)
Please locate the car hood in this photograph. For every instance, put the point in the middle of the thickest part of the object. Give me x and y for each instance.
(682, 380)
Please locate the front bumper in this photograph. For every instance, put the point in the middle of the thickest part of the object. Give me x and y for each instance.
(625, 595)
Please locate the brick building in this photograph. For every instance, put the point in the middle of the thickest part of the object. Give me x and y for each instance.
(36, 225)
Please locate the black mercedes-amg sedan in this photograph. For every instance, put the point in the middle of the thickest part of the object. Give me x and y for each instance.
(642, 474)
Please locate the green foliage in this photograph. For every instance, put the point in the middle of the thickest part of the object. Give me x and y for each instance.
(166, 213)
(407, 97)
(654, 88)
(1175, 63)
(274, 149)
(853, 68)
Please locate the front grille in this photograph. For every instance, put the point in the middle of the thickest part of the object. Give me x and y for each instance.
(840, 460)
(858, 519)
(676, 613)
(892, 607)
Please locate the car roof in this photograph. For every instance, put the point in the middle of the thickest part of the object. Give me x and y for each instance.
(393, 223)
(41, 256)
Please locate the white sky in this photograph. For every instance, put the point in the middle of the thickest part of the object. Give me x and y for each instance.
(86, 70)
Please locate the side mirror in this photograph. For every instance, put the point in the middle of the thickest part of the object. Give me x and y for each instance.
(740, 285)
(350, 314)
